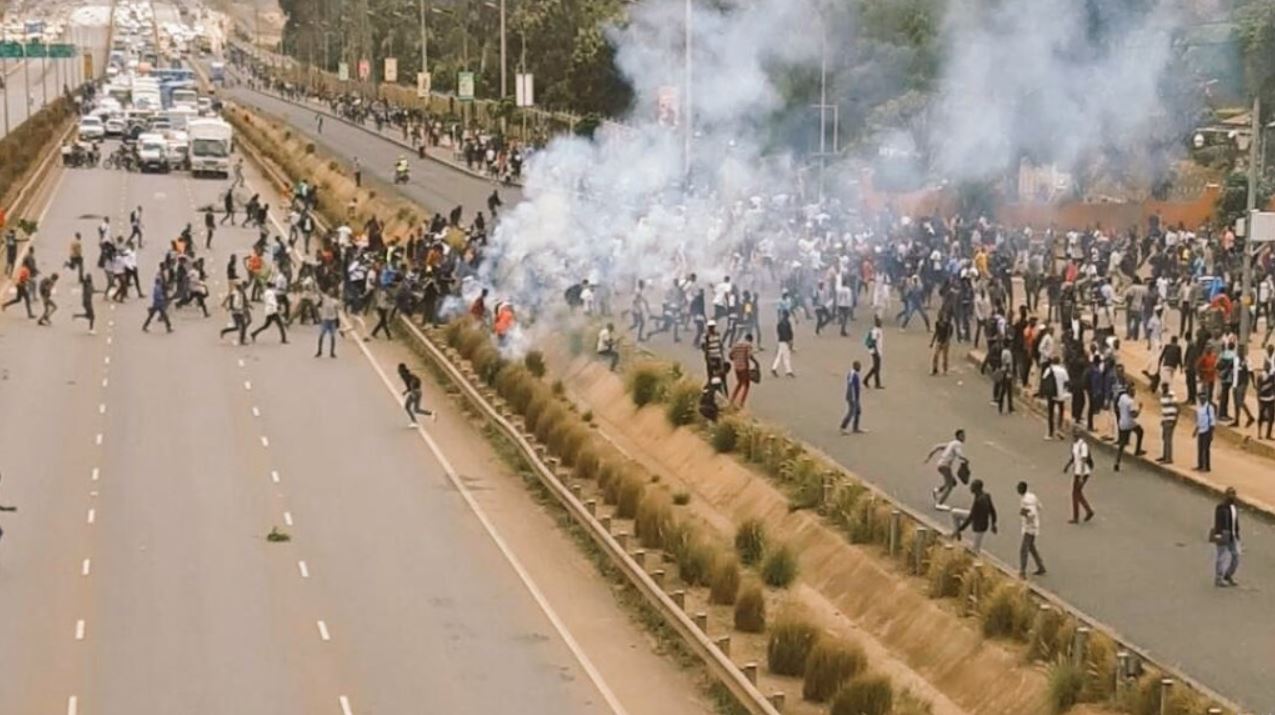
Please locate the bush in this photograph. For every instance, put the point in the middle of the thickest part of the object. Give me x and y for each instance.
(694, 558)
(535, 362)
(947, 570)
(789, 646)
(843, 501)
(1008, 612)
(865, 695)
(683, 404)
(1066, 682)
(780, 567)
(830, 665)
(723, 579)
(654, 517)
(750, 541)
(1100, 663)
(750, 609)
(631, 489)
(681, 498)
(1042, 642)
(645, 384)
(309, 147)
(587, 462)
(862, 527)
(725, 435)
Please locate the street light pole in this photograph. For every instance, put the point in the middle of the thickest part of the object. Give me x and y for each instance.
(689, 108)
(504, 84)
(424, 39)
(1246, 289)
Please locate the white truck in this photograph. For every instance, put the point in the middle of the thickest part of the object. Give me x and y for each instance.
(210, 143)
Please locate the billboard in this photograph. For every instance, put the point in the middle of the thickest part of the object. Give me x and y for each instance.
(391, 69)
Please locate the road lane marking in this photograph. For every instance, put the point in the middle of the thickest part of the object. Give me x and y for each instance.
(345, 706)
(96, 473)
(274, 476)
(101, 408)
(106, 360)
(72, 705)
(240, 362)
(247, 385)
(79, 630)
(323, 631)
(98, 438)
(287, 518)
(85, 567)
(264, 441)
(585, 663)
(109, 339)
(111, 323)
(92, 517)
(105, 382)
(255, 412)
(305, 570)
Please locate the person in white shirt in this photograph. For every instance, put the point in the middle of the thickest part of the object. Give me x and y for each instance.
(951, 453)
(1081, 465)
(1029, 510)
(606, 345)
(1205, 421)
(1055, 386)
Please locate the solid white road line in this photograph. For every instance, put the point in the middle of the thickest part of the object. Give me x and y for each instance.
(345, 706)
(92, 517)
(305, 570)
(287, 518)
(79, 630)
(323, 631)
(85, 567)
(72, 705)
(612, 701)
(264, 441)
(274, 476)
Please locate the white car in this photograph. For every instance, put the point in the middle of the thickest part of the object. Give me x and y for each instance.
(116, 126)
(92, 128)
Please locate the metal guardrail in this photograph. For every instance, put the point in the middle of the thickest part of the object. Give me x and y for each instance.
(720, 665)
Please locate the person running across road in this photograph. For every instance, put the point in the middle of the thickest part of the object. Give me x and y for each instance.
(237, 303)
(1225, 535)
(979, 518)
(940, 342)
(22, 291)
(854, 401)
(949, 453)
(270, 308)
(135, 221)
(1081, 465)
(159, 304)
(412, 395)
(1205, 421)
(210, 226)
(1168, 421)
(86, 302)
(873, 342)
(784, 337)
(1029, 510)
(1127, 410)
(47, 306)
(228, 202)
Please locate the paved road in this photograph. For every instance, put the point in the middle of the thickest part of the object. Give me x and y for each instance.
(1143, 565)
(140, 459)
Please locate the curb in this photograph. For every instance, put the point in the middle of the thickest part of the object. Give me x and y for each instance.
(1256, 507)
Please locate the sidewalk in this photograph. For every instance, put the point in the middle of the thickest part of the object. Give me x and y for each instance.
(1252, 476)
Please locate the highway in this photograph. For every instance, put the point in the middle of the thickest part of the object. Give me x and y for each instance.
(148, 468)
(1143, 566)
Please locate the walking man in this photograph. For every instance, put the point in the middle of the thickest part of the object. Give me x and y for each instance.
(951, 452)
(237, 304)
(873, 342)
(47, 306)
(1205, 421)
(1029, 510)
(742, 362)
(86, 301)
(980, 517)
(271, 309)
(228, 201)
(1168, 421)
(330, 318)
(1225, 535)
(159, 305)
(783, 336)
(1081, 465)
(854, 405)
(940, 342)
(1127, 410)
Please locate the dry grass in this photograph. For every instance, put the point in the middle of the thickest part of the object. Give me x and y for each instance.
(831, 663)
(682, 406)
(750, 609)
(723, 578)
(865, 695)
(1008, 612)
(631, 488)
(789, 645)
(654, 519)
(750, 541)
(947, 571)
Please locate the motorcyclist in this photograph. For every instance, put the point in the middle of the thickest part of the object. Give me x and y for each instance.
(400, 168)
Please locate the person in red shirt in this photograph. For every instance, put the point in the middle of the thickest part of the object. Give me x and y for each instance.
(741, 360)
(478, 309)
(1206, 369)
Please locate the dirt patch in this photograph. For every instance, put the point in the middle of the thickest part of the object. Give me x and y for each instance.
(920, 642)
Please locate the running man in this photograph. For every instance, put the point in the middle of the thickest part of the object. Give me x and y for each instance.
(951, 452)
(412, 395)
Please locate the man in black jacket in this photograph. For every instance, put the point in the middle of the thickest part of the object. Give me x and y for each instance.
(979, 518)
(1226, 536)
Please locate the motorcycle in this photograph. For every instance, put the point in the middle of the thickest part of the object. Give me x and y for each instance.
(401, 175)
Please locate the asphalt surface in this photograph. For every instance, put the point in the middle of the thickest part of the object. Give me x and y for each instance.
(148, 468)
(1143, 566)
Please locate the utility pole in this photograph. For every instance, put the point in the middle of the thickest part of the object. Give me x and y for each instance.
(688, 113)
(823, 108)
(424, 39)
(1246, 290)
(504, 84)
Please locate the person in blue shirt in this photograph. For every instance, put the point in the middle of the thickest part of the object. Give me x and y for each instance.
(854, 406)
(1205, 421)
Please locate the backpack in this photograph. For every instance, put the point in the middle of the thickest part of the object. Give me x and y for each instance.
(869, 341)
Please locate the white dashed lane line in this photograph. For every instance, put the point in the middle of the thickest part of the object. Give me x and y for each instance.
(265, 441)
(72, 705)
(305, 570)
(287, 518)
(345, 706)
(86, 567)
(274, 476)
(323, 631)
(96, 473)
(92, 516)
(79, 630)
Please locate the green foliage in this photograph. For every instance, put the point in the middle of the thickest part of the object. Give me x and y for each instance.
(750, 541)
(779, 569)
(725, 434)
(681, 498)
(1066, 683)
(750, 609)
(789, 646)
(865, 695)
(645, 384)
(1255, 21)
(276, 536)
(830, 665)
(683, 403)
(1232, 201)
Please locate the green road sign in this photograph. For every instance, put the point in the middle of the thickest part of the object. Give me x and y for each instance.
(61, 51)
(37, 49)
(10, 50)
